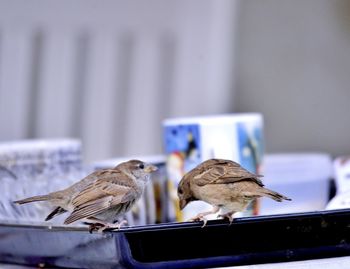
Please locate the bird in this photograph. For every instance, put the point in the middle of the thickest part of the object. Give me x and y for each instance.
(101, 197)
(225, 185)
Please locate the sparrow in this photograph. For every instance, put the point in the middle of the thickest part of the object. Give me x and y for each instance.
(101, 197)
(225, 185)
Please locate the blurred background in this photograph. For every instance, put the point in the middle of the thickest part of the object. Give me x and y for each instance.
(109, 72)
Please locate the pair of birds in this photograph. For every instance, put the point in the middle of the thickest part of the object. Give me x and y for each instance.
(103, 196)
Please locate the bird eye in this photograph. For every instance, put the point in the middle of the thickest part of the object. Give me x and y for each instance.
(142, 166)
(180, 191)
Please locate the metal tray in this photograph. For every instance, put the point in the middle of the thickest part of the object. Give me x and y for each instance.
(252, 240)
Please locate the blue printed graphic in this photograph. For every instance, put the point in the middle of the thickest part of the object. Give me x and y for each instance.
(250, 146)
(183, 142)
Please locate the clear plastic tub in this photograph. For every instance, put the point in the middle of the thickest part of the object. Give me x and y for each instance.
(304, 178)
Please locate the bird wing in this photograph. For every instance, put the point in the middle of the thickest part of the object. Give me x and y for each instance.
(110, 189)
(90, 209)
(224, 174)
(108, 183)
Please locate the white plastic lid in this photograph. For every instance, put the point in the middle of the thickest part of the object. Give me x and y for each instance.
(33, 150)
(214, 119)
(296, 167)
(37, 145)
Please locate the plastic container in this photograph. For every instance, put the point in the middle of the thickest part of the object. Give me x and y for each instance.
(305, 178)
(33, 167)
(189, 141)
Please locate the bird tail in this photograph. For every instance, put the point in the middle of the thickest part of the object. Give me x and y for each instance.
(33, 199)
(274, 195)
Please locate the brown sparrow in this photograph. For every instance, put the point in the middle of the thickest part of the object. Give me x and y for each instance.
(225, 185)
(101, 197)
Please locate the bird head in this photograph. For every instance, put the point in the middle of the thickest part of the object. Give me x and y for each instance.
(137, 168)
(184, 192)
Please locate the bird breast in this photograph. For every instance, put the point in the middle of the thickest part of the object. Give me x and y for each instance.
(227, 196)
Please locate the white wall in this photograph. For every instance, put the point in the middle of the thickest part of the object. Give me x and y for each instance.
(294, 66)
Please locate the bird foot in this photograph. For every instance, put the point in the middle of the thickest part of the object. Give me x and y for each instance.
(101, 227)
(95, 227)
(200, 217)
(116, 226)
(227, 216)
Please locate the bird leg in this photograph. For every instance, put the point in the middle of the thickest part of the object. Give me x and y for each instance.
(228, 215)
(201, 216)
(101, 226)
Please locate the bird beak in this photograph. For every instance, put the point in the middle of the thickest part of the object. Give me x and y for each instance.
(150, 168)
(183, 203)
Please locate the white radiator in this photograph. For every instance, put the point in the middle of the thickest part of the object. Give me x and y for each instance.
(109, 71)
